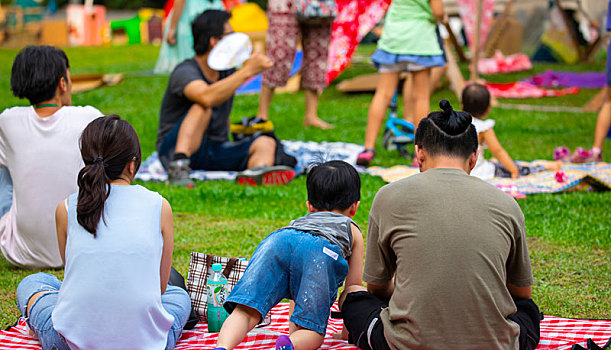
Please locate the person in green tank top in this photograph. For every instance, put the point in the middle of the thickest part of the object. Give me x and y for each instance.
(408, 44)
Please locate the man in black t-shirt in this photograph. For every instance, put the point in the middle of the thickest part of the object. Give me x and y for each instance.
(194, 116)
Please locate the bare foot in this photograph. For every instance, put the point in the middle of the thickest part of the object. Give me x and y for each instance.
(318, 123)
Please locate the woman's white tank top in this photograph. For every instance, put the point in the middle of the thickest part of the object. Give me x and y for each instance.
(111, 296)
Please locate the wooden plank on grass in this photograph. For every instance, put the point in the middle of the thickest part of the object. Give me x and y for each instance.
(534, 108)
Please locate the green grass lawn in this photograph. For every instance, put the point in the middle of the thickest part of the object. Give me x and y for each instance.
(569, 238)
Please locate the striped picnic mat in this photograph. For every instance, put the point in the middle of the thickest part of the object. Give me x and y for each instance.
(556, 333)
(579, 177)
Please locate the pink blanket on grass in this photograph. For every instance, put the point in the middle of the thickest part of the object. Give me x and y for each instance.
(504, 64)
(520, 89)
(556, 333)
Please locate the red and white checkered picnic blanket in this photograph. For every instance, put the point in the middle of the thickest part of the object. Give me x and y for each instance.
(556, 333)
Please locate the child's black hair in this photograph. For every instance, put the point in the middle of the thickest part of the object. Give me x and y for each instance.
(333, 185)
(210, 24)
(36, 72)
(448, 133)
(475, 100)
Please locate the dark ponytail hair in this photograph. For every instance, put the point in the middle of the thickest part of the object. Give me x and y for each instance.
(448, 133)
(107, 145)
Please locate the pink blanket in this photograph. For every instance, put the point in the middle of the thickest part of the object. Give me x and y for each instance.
(522, 89)
(504, 64)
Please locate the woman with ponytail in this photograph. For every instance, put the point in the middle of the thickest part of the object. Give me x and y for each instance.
(116, 242)
(447, 263)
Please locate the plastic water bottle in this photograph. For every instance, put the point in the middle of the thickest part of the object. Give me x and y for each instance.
(217, 293)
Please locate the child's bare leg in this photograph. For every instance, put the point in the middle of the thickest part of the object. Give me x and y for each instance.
(603, 121)
(408, 99)
(437, 73)
(553, 165)
(422, 94)
(236, 326)
(387, 85)
(304, 339)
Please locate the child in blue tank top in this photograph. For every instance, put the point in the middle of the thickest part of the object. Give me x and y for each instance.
(305, 261)
(116, 242)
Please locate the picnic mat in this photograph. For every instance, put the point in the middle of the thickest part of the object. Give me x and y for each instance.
(305, 153)
(580, 177)
(556, 333)
(521, 89)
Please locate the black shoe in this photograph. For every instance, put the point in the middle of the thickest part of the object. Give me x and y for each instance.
(178, 173)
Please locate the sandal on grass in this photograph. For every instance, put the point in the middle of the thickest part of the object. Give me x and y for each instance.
(582, 155)
(364, 158)
(562, 153)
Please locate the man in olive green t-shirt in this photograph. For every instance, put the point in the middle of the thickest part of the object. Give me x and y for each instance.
(446, 260)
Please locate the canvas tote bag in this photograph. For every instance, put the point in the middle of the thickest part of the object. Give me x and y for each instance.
(200, 269)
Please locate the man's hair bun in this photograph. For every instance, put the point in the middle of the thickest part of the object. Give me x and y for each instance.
(447, 132)
(445, 106)
(450, 121)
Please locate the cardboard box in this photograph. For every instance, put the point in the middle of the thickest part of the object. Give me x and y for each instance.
(54, 33)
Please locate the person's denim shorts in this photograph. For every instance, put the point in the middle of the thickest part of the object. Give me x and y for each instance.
(211, 155)
(295, 265)
(387, 62)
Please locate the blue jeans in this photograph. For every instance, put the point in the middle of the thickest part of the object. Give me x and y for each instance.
(296, 265)
(608, 68)
(175, 301)
(6, 191)
(211, 155)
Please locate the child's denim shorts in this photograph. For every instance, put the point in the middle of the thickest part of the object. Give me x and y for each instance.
(295, 265)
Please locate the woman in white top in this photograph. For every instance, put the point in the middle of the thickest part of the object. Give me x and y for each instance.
(39, 147)
(116, 241)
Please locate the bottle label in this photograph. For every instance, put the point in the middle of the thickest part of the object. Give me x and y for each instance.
(217, 293)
